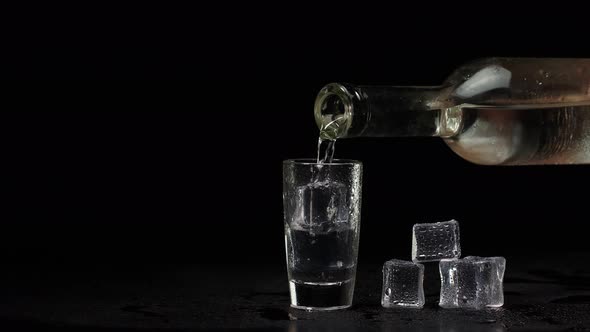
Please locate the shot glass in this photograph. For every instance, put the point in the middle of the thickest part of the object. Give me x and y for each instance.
(322, 205)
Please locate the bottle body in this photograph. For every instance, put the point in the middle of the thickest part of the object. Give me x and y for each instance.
(496, 111)
(524, 136)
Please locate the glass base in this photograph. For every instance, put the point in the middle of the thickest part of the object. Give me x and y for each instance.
(313, 296)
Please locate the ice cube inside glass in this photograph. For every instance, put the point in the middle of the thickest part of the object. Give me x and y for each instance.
(472, 282)
(402, 284)
(321, 205)
(435, 241)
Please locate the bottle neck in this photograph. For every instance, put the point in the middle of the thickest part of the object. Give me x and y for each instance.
(343, 110)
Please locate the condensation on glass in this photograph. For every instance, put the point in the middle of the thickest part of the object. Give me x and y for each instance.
(322, 203)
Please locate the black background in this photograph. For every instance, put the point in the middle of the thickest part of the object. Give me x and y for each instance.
(168, 145)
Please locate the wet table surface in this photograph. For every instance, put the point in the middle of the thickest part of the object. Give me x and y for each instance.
(548, 294)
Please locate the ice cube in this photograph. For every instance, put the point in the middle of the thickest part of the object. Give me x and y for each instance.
(472, 282)
(435, 241)
(320, 205)
(402, 284)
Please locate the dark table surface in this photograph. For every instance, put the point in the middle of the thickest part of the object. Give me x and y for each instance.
(549, 293)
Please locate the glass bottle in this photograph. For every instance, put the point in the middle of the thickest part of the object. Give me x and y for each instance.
(493, 111)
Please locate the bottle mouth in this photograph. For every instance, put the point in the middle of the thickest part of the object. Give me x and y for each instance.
(333, 111)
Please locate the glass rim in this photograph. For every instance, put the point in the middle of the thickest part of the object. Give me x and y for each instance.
(310, 161)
